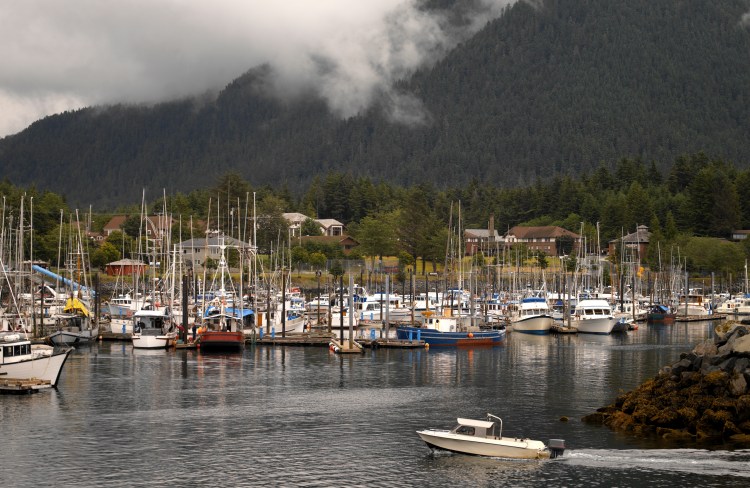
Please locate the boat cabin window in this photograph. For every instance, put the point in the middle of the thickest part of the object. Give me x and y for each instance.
(16, 350)
(464, 430)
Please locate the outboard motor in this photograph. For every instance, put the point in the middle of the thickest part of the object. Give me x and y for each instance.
(556, 448)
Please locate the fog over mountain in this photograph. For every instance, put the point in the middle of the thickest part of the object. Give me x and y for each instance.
(61, 56)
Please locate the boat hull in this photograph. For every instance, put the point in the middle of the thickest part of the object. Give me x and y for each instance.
(436, 338)
(70, 338)
(503, 447)
(221, 341)
(539, 325)
(44, 367)
(601, 326)
(162, 341)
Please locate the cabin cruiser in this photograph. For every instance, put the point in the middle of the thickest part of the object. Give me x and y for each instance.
(485, 438)
(593, 316)
(153, 329)
(19, 359)
(534, 317)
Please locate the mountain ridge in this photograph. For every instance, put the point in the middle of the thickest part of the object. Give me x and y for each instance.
(557, 87)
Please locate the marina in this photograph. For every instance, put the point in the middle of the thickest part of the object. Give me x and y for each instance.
(273, 409)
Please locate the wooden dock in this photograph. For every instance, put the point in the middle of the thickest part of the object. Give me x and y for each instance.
(700, 318)
(320, 340)
(14, 386)
(114, 336)
(396, 343)
(346, 347)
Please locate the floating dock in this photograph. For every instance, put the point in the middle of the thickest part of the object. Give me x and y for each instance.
(13, 386)
(114, 336)
(700, 318)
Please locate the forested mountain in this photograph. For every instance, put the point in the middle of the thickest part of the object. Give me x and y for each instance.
(552, 87)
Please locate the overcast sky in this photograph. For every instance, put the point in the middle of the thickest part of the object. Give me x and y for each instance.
(59, 55)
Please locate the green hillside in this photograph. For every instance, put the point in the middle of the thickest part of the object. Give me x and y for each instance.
(550, 89)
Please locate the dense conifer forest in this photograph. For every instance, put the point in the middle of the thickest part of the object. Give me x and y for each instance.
(541, 115)
(691, 211)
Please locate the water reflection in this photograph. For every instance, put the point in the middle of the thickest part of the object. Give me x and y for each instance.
(306, 416)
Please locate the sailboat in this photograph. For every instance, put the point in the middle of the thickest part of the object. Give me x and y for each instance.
(223, 320)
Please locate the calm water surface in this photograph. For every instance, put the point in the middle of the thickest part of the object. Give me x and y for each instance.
(276, 416)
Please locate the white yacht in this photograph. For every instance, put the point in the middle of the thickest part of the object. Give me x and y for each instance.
(534, 317)
(593, 316)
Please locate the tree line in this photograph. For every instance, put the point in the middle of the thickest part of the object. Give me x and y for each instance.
(691, 210)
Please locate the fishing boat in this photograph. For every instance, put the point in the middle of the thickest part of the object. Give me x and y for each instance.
(660, 314)
(485, 438)
(534, 317)
(73, 325)
(224, 318)
(448, 330)
(21, 360)
(593, 316)
(222, 327)
(153, 328)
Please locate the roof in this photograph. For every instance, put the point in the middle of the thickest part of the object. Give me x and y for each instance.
(523, 232)
(482, 233)
(211, 241)
(126, 262)
(295, 217)
(475, 423)
(329, 239)
(328, 222)
(641, 235)
(115, 223)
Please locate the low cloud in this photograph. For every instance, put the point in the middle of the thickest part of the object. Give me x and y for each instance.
(65, 55)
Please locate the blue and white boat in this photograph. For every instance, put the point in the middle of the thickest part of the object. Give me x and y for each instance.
(534, 317)
(449, 330)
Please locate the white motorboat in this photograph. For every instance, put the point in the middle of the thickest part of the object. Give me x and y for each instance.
(534, 317)
(19, 359)
(153, 329)
(485, 438)
(593, 316)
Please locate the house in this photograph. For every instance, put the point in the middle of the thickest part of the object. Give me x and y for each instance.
(331, 227)
(636, 241)
(195, 252)
(126, 267)
(346, 243)
(484, 240)
(541, 238)
(295, 220)
(740, 235)
(156, 226)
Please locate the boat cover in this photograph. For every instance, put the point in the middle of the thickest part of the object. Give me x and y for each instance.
(483, 424)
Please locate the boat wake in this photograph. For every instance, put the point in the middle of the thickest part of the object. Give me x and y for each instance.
(689, 461)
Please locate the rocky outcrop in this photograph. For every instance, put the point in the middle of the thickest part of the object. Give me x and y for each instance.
(704, 396)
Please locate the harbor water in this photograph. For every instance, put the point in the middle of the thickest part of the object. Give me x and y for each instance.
(305, 416)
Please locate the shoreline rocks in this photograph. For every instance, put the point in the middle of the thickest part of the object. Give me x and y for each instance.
(703, 397)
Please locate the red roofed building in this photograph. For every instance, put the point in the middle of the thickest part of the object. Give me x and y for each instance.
(544, 238)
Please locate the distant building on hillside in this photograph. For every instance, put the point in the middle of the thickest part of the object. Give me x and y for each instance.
(542, 238)
(126, 267)
(155, 226)
(482, 240)
(195, 252)
(346, 243)
(328, 227)
(637, 241)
